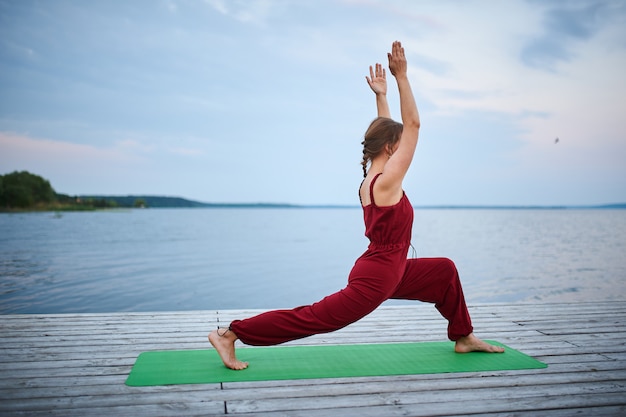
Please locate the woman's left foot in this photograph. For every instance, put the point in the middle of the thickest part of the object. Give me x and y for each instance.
(224, 343)
(471, 343)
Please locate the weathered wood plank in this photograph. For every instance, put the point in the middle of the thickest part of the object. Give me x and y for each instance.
(77, 364)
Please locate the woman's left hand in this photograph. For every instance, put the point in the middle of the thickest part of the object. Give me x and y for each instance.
(378, 80)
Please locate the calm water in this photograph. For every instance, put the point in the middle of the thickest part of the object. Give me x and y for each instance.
(187, 259)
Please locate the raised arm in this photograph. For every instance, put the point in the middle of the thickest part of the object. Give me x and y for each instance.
(378, 84)
(398, 164)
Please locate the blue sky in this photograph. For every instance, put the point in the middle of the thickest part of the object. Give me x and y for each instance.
(266, 101)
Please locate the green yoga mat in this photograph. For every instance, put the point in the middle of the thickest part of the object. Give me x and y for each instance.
(329, 361)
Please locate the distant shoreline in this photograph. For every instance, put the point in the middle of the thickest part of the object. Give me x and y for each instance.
(26, 192)
(112, 202)
(178, 202)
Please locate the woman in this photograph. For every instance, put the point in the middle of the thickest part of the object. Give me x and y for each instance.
(383, 271)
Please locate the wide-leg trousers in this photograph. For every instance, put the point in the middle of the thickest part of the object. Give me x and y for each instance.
(432, 280)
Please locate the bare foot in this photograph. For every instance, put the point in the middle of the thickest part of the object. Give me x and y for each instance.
(223, 341)
(471, 343)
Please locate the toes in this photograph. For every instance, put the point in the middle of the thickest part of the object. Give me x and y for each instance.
(494, 349)
(238, 365)
(476, 345)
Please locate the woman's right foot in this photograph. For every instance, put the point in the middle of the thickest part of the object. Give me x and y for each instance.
(224, 342)
(471, 343)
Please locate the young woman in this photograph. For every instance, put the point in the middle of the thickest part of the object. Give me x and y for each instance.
(383, 271)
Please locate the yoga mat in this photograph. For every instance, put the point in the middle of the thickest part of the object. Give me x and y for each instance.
(327, 361)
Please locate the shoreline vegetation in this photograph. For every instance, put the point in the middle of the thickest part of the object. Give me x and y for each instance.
(25, 192)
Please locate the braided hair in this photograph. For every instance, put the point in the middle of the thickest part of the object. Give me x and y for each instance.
(381, 132)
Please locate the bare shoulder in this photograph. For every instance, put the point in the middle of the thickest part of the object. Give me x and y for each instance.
(387, 190)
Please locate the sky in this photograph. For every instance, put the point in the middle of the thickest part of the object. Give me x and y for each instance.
(266, 100)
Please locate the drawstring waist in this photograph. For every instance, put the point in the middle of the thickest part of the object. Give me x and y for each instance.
(402, 245)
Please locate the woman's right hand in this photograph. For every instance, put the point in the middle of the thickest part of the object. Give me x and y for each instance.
(378, 82)
(397, 60)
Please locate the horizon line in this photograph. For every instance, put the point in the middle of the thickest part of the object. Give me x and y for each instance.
(202, 204)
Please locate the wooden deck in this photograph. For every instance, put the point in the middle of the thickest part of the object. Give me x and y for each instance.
(76, 365)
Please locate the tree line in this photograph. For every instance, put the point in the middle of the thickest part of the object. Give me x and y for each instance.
(21, 190)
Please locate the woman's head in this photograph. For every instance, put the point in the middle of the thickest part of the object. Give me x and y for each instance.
(381, 136)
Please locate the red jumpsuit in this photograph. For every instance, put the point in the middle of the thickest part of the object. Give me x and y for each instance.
(381, 273)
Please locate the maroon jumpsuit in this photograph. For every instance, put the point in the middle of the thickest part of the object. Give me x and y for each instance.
(381, 273)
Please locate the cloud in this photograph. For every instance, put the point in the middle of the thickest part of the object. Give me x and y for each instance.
(433, 65)
(127, 166)
(255, 12)
(187, 151)
(71, 168)
(23, 152)
(179, 90)
(565, 27)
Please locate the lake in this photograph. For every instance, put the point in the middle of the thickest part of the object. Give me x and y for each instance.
(199, 259)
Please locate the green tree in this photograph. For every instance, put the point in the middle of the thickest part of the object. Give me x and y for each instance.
(23, 189)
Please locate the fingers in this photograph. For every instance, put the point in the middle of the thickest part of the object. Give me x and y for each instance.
(378, 73)
(397, 61)
(397, 49)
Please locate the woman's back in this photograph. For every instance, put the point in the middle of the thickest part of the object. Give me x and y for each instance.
(387, 225)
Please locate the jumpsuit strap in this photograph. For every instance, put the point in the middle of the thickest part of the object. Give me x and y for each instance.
(359, 191)
(372, 188)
